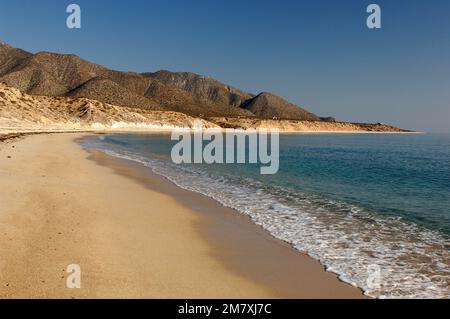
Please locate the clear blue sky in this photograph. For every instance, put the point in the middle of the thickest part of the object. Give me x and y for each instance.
(318, 54)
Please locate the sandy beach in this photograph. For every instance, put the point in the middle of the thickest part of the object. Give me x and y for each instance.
(133, 233)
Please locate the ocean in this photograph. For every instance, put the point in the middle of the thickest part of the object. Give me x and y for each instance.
(372, 208)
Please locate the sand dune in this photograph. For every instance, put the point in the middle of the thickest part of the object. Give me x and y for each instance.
(23, 112)
(20, 112)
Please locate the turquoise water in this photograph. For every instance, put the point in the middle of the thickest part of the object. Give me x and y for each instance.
(351, 201)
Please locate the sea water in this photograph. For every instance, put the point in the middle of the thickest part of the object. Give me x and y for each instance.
(352, 201)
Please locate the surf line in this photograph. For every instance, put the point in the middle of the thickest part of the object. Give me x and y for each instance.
(230, 146)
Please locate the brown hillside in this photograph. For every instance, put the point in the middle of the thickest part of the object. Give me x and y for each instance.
(269, 106)
(53, 74)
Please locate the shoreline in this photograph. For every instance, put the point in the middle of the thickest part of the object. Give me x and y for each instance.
(215, 213)
(16, 131)
(59, 207)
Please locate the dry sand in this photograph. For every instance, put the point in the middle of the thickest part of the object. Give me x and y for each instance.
(133, 233)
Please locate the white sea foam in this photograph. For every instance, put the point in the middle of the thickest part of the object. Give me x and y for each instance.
(414, 262)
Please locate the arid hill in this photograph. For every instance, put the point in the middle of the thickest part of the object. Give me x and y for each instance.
(269, 106)
(51, 74)
(21, 112)
(205, 89)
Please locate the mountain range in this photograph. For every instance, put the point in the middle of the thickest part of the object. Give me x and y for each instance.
(67, 75)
